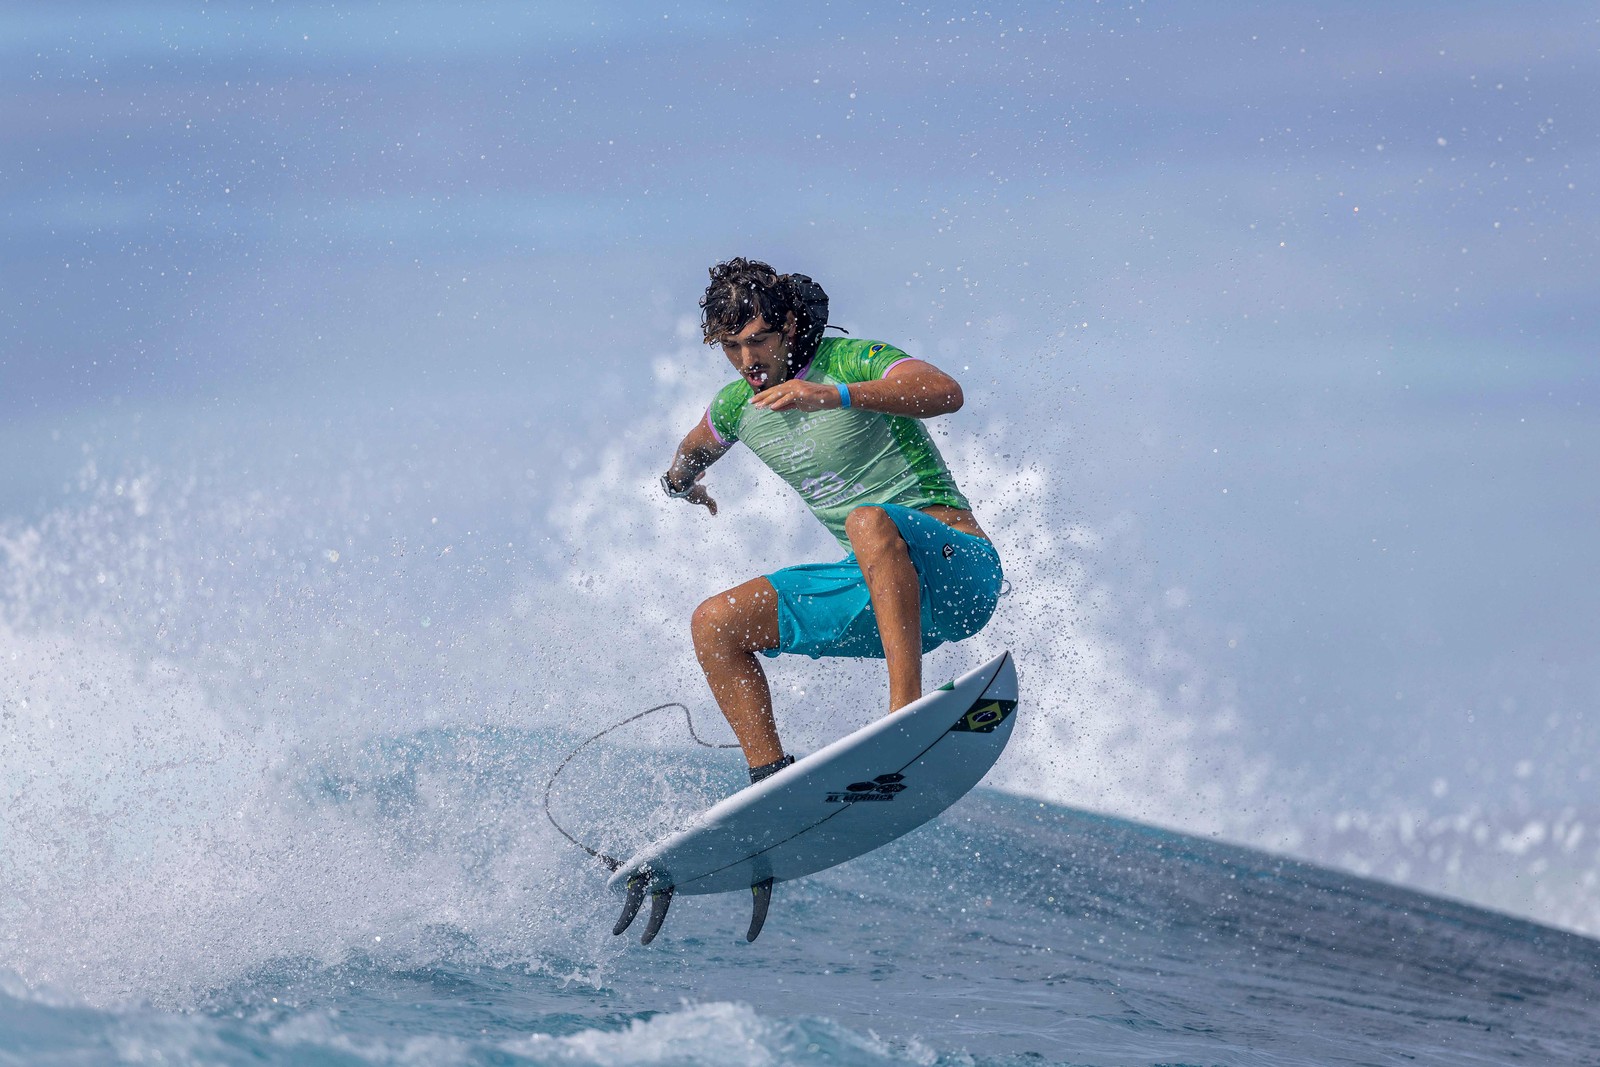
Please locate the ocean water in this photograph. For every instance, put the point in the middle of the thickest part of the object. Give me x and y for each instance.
(1008, 932)
(272, 778)
(252, 851)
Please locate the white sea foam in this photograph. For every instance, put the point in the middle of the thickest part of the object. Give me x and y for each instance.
(152, 854)
(315, 1033)
(217, 756)
(709, 1035)
(701, 1035)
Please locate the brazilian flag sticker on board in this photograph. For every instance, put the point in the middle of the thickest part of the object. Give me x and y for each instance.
(984, 716)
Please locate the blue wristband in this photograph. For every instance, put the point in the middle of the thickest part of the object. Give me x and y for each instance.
(844, 395)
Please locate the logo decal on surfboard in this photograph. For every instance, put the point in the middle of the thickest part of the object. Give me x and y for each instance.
(883, 787)
(984, 716)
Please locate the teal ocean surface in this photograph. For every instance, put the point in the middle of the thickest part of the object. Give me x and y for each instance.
(1009, 931)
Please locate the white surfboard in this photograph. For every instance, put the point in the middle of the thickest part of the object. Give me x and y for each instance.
(859, 793)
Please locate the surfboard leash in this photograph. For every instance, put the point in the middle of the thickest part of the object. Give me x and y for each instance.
(612, 862)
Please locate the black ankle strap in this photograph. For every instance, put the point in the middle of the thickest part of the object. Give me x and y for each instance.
(767, 770)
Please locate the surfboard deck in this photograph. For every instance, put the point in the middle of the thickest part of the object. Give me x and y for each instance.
(842, 801)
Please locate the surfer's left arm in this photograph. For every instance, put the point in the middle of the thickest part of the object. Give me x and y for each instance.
(913, 387)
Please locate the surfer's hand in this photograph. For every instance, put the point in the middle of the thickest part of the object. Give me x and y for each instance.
(697, 494)
(797, 395)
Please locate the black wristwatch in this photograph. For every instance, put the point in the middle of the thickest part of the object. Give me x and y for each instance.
(676, 494)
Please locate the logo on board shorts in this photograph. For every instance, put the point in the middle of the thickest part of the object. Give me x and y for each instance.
(949, 550)
(883, 787)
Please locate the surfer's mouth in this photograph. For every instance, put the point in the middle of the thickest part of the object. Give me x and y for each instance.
(757, 376)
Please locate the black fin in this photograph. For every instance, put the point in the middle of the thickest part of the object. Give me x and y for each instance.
(761, 897)
(659, 902)
(630, 907)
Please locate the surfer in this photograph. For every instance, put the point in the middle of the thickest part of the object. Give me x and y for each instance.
(842, 421)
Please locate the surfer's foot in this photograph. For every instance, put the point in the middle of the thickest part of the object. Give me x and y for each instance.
(767, 770)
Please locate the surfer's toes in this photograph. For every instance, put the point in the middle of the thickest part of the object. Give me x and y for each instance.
(767, 770)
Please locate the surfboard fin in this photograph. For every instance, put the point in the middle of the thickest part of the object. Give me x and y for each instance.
(660, 901)
(761, 897)
(630, 907)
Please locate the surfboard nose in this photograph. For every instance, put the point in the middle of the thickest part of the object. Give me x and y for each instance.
(1003, 686)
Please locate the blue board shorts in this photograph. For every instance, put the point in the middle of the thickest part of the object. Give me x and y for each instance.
(824, 609)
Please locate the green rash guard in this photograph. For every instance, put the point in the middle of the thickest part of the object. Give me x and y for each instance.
(841, 458)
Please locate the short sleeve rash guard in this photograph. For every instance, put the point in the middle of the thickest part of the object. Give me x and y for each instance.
(842, 458)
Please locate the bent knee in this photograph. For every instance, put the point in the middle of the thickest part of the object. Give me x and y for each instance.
(711, 620)
(871, 530)
(730, 620)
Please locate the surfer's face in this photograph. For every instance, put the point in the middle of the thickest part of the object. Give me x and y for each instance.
(760, 352)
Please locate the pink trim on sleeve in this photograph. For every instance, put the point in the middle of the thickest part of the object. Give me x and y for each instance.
(896, 363)
(713, 428)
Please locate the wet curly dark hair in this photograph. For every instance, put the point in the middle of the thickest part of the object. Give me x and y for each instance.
(743, 289)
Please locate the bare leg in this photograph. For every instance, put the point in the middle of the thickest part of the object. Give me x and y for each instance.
(729, 629)
(896, 598)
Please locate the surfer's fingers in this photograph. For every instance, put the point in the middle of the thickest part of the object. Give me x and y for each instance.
(809, 396)
(698, 495)
(786, 395)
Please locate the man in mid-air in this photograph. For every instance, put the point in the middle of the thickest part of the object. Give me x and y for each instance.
(841, 421)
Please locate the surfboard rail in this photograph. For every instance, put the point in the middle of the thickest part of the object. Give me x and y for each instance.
(846, 799)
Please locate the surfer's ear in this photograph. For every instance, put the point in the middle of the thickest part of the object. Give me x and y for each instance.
(790, 330)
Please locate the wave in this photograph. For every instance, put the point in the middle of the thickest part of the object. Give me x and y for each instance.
(696, 1035)
(1010, 931)
(258, 718)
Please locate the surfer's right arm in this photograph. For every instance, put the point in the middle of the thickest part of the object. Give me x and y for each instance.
(700, 448)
